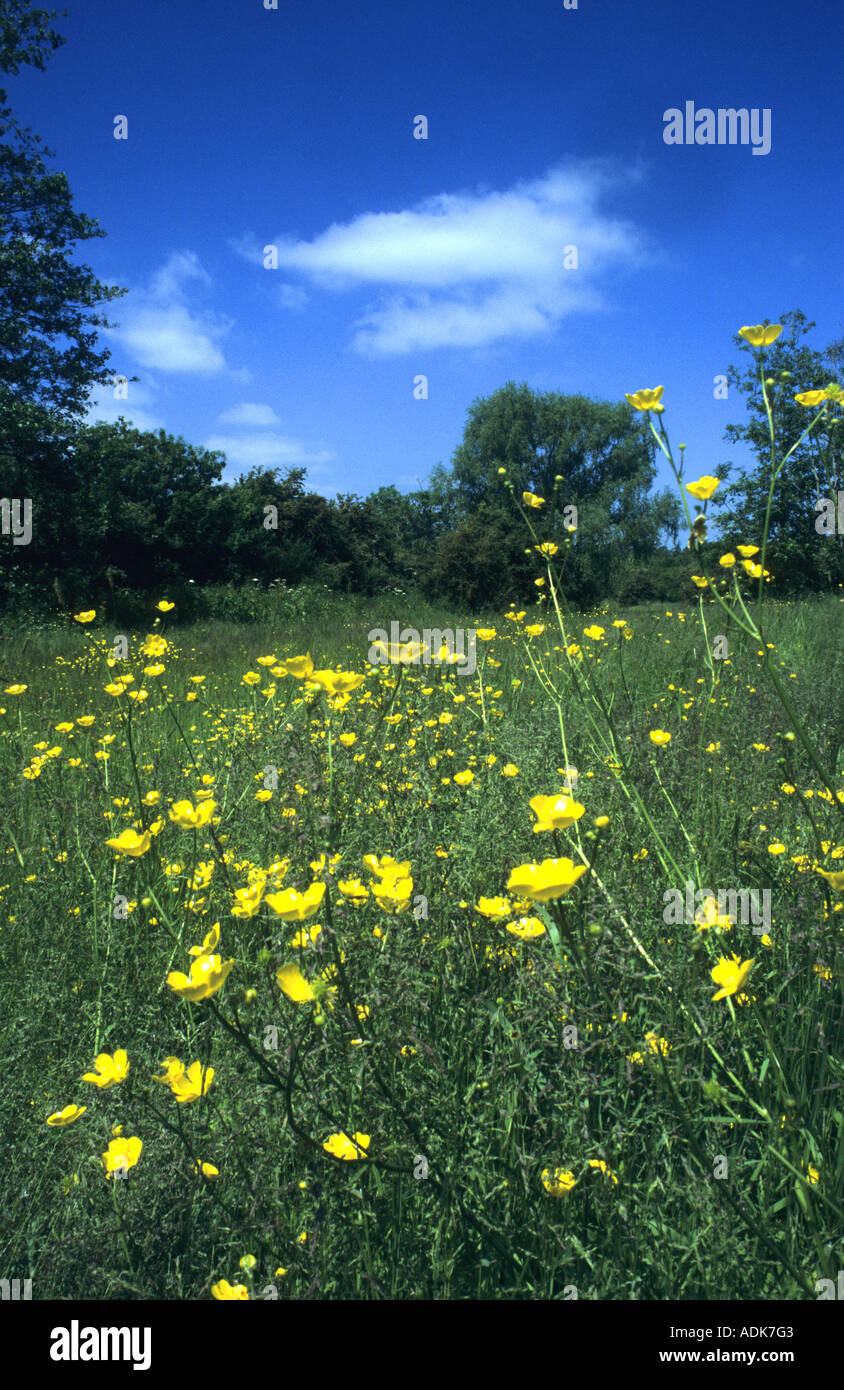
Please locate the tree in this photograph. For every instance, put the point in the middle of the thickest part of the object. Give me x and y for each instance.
(603, 457)
(481, 562)
(48, 353)
(145, 505)
(800, 557)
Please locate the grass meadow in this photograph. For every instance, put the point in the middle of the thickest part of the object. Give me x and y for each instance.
(411, 1077)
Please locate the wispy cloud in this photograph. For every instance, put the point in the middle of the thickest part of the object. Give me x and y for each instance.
(250, 414)
(471, 268)
(269, 450)
(162, 331)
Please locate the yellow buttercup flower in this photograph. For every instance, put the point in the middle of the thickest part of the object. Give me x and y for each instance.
(526, 928)
(353, 890)
(131, 843)
(660, 736)
(164, 607)
(210, 943)
(747, 550)
(495, 908)
(299, 666)
(530, 499)
(655, 1043)
(703, 488)
(393, 894)
(386, 867)
(291, 906)
(647, 400)
(727, 561)
(761, 334)
(187, 1086)
(555, 812)
(341, 1146)
(224, 1291)
(602, 1167)
(87, 617)
(110, 1071)
(337, 682)
(248, 900)
(207, 975)
(399, 653)
(121, 1154)
(184, 814)
(834, 879)
(730, 975)
(558, 1181)
(295, 986)
(553, 878)
(171, 1066)
(308, 936)
(66, 1116)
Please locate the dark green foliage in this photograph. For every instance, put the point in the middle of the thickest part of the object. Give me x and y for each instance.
(801, 558)
(48, 335)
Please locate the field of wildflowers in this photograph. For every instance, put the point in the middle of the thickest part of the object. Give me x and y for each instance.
(331, 978)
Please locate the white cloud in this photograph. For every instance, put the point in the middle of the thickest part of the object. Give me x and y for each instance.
(249, 413)
(268, 450)
(471, 268)
(172, 340)
(162, 331)
(167, 283)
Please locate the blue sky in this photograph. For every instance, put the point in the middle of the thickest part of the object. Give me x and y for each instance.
(443, 257)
